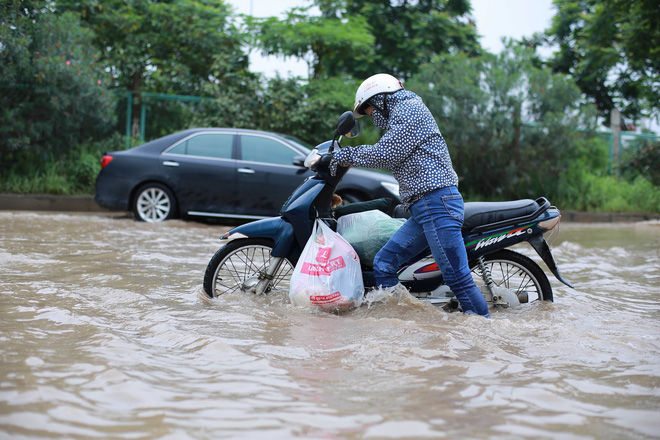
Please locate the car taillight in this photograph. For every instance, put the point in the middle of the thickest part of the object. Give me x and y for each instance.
(106, 160)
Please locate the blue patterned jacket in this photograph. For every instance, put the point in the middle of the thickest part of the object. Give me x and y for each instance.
(413, 148)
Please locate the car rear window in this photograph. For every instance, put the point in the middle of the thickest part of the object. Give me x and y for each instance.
(215, 145)
(266, 150)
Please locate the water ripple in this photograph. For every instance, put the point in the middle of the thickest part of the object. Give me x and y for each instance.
(107, 334)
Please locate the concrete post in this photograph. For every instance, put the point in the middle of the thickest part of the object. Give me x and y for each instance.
(615, 124)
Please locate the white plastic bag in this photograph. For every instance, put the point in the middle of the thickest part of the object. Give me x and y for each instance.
(368, 232)
(328, 273)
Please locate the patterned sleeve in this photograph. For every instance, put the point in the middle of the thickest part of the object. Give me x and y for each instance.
(395, 146)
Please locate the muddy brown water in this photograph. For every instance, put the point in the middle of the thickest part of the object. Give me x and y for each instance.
(106, 333)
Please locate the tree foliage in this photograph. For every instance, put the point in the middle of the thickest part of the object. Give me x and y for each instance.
(328, 45)
(642, 158)
(163, 46)
(363, 37)
(509, 124)
(281, 105)
(612, 50)
(52, 89)
(408, 34)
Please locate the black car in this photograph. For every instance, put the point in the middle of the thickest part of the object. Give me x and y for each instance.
(218, 172)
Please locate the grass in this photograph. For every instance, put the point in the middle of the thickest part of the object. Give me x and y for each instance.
(73, 173)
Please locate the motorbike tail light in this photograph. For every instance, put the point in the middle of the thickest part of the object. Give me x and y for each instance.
(550, 224)
(106, 160)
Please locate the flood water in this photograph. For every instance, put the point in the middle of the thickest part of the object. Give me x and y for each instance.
(106, 333)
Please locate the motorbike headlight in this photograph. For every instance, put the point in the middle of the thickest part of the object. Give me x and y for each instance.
(391, 187)
(312, 158)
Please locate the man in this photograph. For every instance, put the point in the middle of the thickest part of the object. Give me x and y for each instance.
(415, 151)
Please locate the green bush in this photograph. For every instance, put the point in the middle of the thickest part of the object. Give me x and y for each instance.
(642, 159)
(282, 105)
(72, 174)
(52, 89)
(587, 186)
(510, 125)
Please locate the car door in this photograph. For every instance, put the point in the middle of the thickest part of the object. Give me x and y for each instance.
(202, 171)
(266, 176)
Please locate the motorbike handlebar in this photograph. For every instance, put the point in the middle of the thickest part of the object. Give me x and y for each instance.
(325, 160)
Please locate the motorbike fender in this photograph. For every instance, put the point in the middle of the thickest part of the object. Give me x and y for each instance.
(275, 228)
(541, 247)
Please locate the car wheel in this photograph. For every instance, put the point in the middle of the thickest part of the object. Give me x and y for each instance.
(154, 203)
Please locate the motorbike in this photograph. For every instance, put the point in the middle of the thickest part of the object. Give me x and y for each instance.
(260, 256)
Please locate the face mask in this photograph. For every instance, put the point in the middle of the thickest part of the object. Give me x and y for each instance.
(379, 120)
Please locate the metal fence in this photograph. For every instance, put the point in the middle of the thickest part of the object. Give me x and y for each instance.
(147, 99)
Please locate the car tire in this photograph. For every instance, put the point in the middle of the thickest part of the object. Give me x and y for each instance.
(153, 203)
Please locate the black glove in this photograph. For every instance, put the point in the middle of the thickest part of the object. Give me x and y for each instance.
(325, 160)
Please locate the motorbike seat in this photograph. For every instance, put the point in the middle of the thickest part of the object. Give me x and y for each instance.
(483, 213)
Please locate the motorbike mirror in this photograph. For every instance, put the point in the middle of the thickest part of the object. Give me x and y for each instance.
(347, 125)
(355, 131)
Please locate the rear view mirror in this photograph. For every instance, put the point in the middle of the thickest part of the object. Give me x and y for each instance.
(355, 131)
(347, 125)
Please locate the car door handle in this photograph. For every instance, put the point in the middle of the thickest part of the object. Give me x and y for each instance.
(246, 170)
(169, 163)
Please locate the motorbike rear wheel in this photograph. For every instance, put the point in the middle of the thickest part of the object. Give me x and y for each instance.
(516, 272)
(238, 266)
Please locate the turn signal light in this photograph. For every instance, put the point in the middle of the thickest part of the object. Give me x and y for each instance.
(549, 224)
(106, 160)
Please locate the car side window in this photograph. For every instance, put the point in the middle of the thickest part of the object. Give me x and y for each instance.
(266, 150)
(215, 145)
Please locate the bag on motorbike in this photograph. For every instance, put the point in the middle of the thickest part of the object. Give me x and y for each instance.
(328, 273)
(368, 232)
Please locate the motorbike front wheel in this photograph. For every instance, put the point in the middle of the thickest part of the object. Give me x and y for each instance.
(517, 273)
(240, 264)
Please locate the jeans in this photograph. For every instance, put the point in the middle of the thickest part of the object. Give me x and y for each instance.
(436, 222)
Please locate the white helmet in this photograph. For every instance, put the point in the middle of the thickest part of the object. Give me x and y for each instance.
(372, 86)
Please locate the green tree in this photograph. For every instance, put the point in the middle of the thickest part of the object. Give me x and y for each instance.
(328, 45)
(52, 87)
(509, 124)
(363, 37)
(325, 101)
(408, 33)
(235, 103)
(642, 158)
(163, 46)
(308, 111)
(612, 49)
